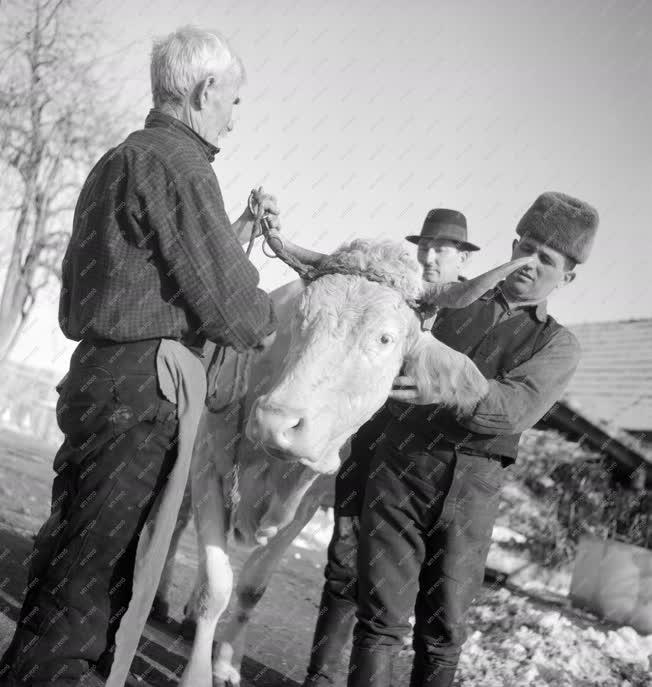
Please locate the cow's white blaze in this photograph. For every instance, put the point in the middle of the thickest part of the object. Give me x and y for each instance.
(349, 338)
(348, 343)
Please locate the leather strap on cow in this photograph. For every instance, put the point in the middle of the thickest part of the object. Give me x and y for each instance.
(311, 273)
(227, 377)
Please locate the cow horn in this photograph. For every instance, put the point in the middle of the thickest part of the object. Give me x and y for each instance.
(297, 257)
(460, 294)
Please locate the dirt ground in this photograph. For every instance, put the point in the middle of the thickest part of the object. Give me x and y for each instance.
(515, 639)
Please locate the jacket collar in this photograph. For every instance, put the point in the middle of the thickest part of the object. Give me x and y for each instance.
(156, 118)
(539, 311)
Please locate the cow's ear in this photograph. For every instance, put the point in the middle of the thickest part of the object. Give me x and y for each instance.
(445, 374)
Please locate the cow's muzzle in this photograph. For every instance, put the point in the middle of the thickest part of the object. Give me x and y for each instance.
(279, 430)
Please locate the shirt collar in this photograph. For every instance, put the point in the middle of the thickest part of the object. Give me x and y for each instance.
(157, 118)
(538, 310)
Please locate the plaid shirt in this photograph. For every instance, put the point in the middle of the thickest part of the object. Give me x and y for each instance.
(152, 253)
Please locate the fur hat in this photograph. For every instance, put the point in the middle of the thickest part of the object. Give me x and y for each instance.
(564, 223)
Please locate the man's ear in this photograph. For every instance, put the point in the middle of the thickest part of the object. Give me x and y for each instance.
(514, 244)
(200, 94)
(465, 255)
(566, 279)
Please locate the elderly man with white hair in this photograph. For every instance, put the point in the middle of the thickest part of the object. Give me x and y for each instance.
(152, 257)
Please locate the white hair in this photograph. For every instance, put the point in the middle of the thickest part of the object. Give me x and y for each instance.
(185, 57)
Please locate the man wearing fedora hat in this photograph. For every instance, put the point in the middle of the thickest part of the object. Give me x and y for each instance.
(443, 245)
(443, 250)
(432, 494)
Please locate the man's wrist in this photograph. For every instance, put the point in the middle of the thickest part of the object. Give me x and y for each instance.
(242, 229)
(467, 414)
(474, 410)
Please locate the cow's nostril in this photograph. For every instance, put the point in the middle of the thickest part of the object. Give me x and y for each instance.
(275, 426)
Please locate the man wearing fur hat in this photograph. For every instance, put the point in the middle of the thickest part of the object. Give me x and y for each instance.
(432, 494)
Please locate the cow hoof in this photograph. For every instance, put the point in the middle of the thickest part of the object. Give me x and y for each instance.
(160, 610)
(225, 675)
(264, 534)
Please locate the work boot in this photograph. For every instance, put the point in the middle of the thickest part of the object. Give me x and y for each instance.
(371, 667)
(432, 676)
(333, 633)
(433, 669)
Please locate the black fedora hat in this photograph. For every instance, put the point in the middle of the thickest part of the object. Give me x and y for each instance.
(444, 224)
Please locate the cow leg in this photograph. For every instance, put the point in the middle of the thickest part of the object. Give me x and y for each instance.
(215, 576)
(161, 605)
(252, 582)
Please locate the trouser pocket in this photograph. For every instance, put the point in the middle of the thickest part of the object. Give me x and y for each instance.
(97, 404)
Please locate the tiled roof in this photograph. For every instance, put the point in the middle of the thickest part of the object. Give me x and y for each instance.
(614, 378)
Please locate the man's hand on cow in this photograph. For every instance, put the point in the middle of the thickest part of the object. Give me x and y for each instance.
(461, 294)
(406, 389)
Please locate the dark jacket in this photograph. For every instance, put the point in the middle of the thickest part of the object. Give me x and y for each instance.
(529, 359)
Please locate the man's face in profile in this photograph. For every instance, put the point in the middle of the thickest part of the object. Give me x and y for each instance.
(441, 259)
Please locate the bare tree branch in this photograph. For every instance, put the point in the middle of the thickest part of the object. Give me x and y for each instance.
(54, 106)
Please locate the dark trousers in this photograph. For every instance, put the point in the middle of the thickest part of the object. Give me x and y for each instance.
(425, 532)
(336, 617)
(120, 445)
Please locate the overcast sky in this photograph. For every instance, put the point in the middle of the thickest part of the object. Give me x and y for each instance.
(361, 116)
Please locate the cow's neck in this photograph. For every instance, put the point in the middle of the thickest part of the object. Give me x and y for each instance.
(291, 481)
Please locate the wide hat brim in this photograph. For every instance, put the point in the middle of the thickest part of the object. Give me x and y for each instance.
(464, 245)
(445, 225)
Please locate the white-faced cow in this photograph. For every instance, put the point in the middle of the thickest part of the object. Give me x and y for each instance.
(341, 341)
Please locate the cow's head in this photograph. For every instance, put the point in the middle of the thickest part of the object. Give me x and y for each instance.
(350, 337)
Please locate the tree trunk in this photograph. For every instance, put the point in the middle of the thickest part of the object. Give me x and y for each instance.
(15, 290)
(47, 137)
(14, 295)
(9, 337)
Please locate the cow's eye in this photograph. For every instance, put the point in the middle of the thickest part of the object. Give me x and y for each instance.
(385, 339)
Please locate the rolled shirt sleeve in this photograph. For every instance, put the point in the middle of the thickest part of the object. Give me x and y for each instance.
(519, 399)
